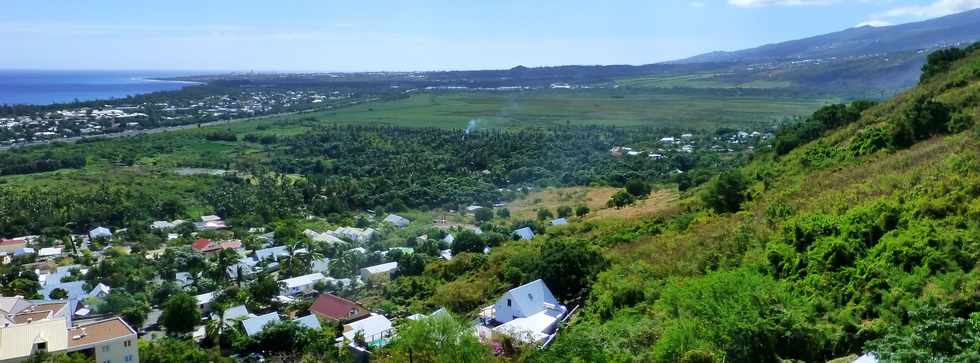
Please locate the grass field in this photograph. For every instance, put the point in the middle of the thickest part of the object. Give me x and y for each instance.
(699, 81)
(513, 110)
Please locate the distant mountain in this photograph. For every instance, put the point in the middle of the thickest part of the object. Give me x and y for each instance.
(855, 42)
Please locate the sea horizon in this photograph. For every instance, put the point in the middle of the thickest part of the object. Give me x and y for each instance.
(54, 86)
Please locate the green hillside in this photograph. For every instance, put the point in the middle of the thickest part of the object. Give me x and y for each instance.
(857, 234)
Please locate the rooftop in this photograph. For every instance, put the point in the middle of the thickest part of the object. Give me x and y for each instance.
(98, 332)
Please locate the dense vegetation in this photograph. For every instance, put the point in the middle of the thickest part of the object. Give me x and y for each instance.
(836, 246)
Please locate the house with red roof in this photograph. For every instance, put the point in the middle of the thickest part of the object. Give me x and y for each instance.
(331, 307)
(206, 247)
(12, 245)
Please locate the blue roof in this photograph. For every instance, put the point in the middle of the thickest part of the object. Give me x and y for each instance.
(75, 289)
(309, 321)
(255, 325)
(525, 233)
(559, 221)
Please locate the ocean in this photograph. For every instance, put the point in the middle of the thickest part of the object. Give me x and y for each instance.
(50, 86)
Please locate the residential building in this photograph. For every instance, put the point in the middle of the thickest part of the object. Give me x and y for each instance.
(29, 327)
(320, 265)
(385, 270)
(300, 284)
(377, 330)
(206, 247)
(11, 245)
(529, 312)
(99, 233)
(397, 220)
(335, 308)
(309, 321)
(255, 325)
(525, 234)
(204, 301)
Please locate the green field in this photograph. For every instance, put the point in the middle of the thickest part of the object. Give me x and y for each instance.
(698, 81)
(515, 110)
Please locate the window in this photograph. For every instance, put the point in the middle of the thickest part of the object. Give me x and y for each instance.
(530, 297)
(128, 358)
(508, 302)
(128, 343)
(41, 347)
(105, 348)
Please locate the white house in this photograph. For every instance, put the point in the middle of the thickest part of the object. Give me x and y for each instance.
(359, 235)
(528, 312)
(204, 301)
(272, 253)
(397, 220)
(49, 252)
(100, 232)
(300, 284)
(162, 226)
(384, 269)
(322, 265)
(255, 325)
(376, 329)
(525, 233)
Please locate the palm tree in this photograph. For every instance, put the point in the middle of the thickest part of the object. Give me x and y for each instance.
(217, 325)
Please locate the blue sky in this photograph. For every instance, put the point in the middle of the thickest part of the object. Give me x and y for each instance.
(328, 35)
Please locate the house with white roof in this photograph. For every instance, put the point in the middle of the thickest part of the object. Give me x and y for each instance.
(245, 267)
(162, 226)
(300, 284)
(525, 234)
(376, 329)
(358, 235)
(183, 278)
(309, 321)
(255, 325)
(397, 220)
(234, 314)
(272, 253)
(321, 265)
(49, 252)
(384, 269)
(204, 301)
(529, 312)
(100, 232)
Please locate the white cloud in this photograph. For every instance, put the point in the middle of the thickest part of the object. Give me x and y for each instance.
(875, 23)
(935, 9)
(766, 3)
(697, 4)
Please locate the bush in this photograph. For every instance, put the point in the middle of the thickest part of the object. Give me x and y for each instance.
(726, 193)
(581, 210)
(638, 188)
(621, 199)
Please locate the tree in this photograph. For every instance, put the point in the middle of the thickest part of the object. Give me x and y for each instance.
(263, 290)
(467, 241)
(581, 210)
(169, 350)
(503, 213)
(726, 193)
(437, 339)
(564, 211)
(483, 215)
(567, 267)
(621, 199)
(58, 294)
(936, 335)
(180, 314)
(545, 214)
(638, 188)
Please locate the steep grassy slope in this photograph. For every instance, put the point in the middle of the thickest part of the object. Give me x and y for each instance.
(865, 239)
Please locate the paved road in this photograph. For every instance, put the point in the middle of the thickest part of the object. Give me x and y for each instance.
(173, 128)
